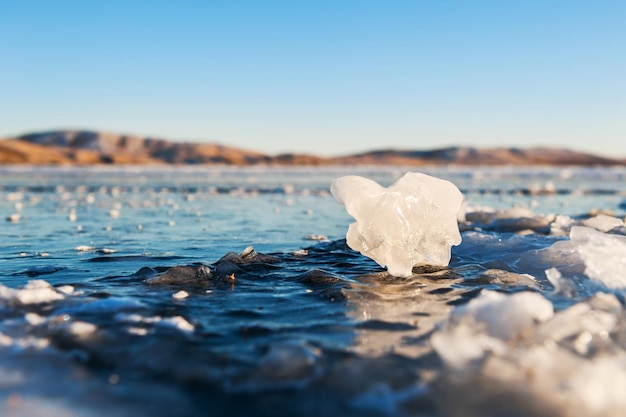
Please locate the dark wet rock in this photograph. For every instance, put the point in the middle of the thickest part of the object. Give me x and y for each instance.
(35, 271)
(505, 279)
(435, 273)
(334, 245)
(325, 284)
(100, 295)
(384, 325)
(226, 269)
(441, 290)
(333, 293)
(180, 275)
(248, 255)
(319, 277)
(489, 221)
(232, 257)
(430, 269)
(145, 272)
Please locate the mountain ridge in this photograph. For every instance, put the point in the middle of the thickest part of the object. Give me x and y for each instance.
(87, 147)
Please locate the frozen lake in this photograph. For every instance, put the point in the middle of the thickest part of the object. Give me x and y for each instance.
(135, 291)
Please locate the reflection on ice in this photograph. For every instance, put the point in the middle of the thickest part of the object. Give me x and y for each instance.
(395, 314)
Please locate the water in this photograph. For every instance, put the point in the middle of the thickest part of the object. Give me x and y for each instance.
(159, 306)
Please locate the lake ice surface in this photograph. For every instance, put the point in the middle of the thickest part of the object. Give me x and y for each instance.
(230, 291)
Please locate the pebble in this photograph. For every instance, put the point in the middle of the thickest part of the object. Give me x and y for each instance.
(180, 295)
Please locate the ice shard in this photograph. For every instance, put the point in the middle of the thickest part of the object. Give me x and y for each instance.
(412, 222)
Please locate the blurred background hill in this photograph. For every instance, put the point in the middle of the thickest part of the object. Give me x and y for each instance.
(85, 147)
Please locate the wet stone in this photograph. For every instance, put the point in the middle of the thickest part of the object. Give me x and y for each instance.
(181, 275)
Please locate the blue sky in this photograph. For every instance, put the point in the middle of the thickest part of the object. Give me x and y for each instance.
(324, 77)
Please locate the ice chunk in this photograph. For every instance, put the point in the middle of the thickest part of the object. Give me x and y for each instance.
(177, 322)
(68, 290)
(461, 346)
(603, 256)
(412, 222)
(561, 225)
(34, 292)
(82, 329)
(561, 285)
(487, 323)
(517, 219)
(180, 295)
(591, 384)
(572, 358)
(505, 316)
(602, 222)
(34, 319)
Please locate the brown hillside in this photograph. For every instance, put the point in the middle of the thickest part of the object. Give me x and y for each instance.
(83, 147)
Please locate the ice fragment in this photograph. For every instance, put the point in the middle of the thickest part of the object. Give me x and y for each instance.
(82, 329)
(412, 222)
(602, 255)
(602, 222)
(34, 292)
(84, 248)
(505, 316)
(180, 295)
(486, 324)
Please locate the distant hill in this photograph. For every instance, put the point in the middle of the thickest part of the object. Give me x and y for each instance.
(111, 148)
(480, 156)
(82, 147)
